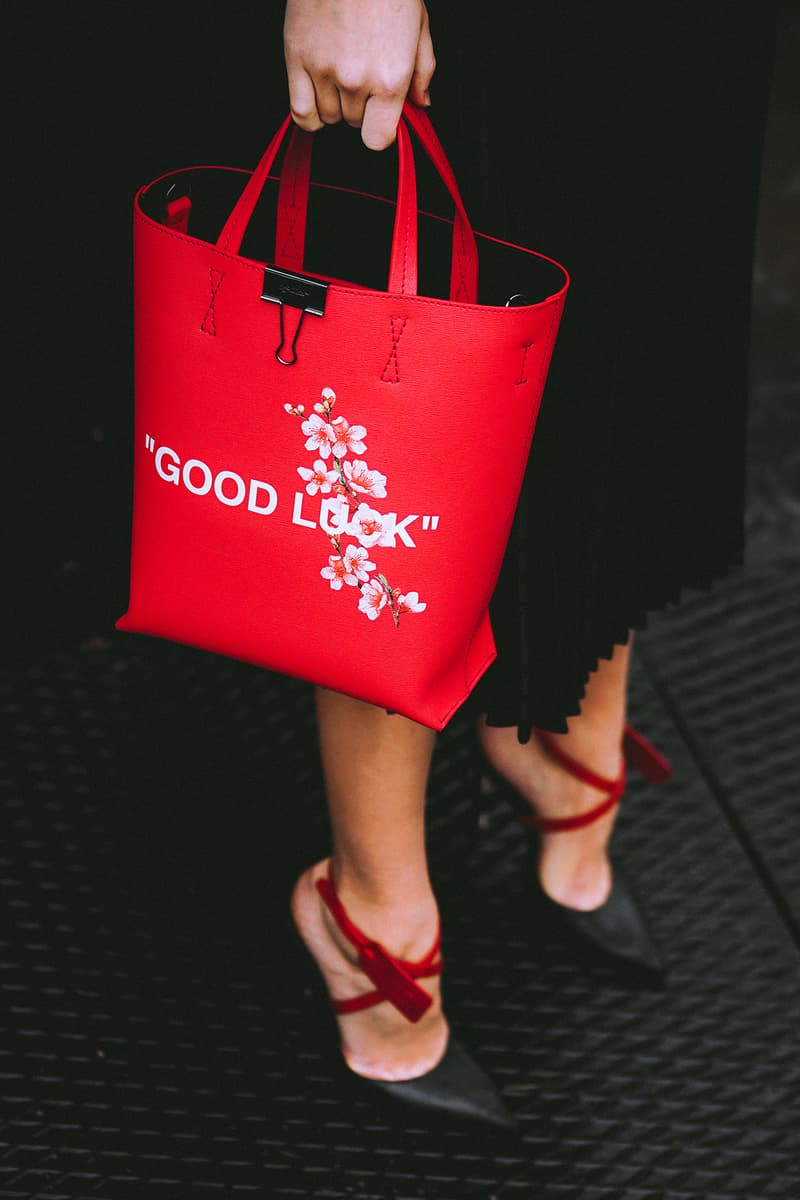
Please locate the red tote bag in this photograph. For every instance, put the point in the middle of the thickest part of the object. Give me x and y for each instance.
(325, 473)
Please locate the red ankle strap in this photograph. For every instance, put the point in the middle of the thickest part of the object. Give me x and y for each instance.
(636, 750)
(644, 756)
(394, 978)
(613, 789)
(574, 768)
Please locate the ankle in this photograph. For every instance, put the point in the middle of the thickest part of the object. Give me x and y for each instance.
(595, 745)
(404, 922)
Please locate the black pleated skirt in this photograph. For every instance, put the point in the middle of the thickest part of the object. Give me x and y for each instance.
(625, 141)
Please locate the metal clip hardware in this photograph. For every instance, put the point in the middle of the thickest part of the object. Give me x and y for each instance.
(299, 292)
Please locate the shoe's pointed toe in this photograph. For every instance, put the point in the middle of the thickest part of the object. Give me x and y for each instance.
(457, 1089)
(616, 930)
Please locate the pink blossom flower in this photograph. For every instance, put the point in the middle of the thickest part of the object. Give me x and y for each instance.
(373, 599)
(352, 568)
(296, 410)
(327, 402)
(410, 603)
(367, 525)
(320, 435)
(336, 571)
(361, 479)
(358, 565)
(318, 479)
(347, 437)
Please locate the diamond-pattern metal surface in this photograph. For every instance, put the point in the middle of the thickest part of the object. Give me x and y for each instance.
(727, 665)
(162, 1029)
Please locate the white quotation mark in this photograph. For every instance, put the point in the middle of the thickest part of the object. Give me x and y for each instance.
(149, 442)
(430, 523)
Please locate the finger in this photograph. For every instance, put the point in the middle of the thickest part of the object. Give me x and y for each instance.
(303, 100)
(353, 102)
(379, 127)
(424, 66)
(329, 105)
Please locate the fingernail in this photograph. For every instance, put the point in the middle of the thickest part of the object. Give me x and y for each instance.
(427, 99)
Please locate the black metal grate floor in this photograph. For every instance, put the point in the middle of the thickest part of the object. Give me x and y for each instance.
(726, 666)
(161, 1031)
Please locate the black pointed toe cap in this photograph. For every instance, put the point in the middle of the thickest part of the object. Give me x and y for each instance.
(456, 1088)
(616, 929)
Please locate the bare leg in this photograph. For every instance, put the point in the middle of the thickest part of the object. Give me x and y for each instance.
(573, 867)
(376, 770)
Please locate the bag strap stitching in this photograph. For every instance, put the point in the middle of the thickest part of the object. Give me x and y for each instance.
(392, 360)
(209, 322)
(522, 376)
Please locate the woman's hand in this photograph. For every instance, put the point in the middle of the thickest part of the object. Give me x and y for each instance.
(357, 60)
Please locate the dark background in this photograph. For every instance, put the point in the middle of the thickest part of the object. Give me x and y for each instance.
(106, 96)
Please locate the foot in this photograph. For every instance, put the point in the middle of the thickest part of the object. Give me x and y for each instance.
(574, 868)
(377, 1042)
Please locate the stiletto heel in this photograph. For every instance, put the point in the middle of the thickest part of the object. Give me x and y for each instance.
(456, 1087)
(616, 929)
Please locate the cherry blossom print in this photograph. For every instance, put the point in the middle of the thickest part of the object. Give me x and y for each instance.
(320, 435)
(369, 527)
(373, 599)
(348, 498)
(335, 572)
(352, 567)
(358, 565)
(338, 509)
(325, 407)
(345, 483)
(361, 479)
(318, 478)
(348, 437)
(410, 603)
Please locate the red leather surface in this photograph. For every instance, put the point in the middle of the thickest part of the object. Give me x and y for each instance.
(448, 415)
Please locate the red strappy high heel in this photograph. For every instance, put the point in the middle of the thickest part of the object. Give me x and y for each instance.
(395, 979)
(456, 1087)
(615, 929)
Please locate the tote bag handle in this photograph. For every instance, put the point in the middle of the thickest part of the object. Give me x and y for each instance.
(293, 202)
(464, 266)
